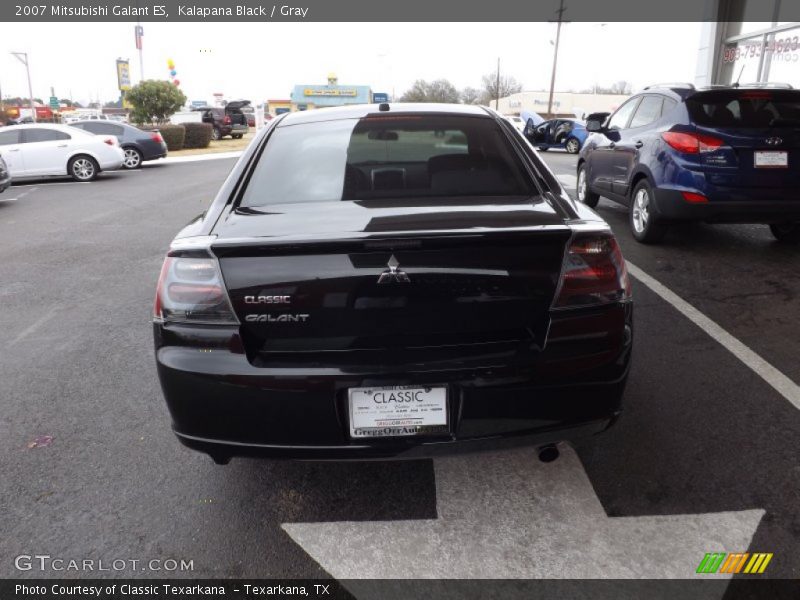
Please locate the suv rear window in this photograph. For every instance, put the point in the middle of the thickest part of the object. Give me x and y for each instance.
(746, 108)
(377, 157)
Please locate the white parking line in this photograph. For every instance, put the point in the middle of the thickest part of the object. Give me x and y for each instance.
(505, 515)
(201, 157)
(780, 382)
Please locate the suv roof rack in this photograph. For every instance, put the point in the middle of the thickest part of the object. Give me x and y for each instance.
(678, 85)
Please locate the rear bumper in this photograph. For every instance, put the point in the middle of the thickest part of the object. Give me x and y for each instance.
(733, 207)
(221, 404)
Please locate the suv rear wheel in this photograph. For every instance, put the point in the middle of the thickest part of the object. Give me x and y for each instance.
(642, 218)
(216, 134)
(788, 233)
(585, 195)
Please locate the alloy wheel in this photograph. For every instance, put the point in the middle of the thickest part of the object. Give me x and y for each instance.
(83, 169)
(582, 185)
(641, 210)
(132, 158)
(572, 146)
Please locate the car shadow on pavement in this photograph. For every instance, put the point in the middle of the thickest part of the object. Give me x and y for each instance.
(700, 433)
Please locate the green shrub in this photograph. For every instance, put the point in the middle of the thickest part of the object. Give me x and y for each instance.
(173, 135)
(198, 135)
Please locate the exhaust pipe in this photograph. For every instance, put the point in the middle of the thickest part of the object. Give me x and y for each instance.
(548, 453)
(220, 459)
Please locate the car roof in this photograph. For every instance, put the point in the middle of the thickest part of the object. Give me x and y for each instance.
(358, 111)
(56, 126)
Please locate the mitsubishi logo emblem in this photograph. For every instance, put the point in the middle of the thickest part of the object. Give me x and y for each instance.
(774, 141)
(393, 274)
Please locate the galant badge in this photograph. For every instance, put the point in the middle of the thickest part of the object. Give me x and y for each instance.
(774, 141)
(393, 274)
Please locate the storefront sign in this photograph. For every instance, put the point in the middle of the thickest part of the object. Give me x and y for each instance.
(329, 92)
(123, 75)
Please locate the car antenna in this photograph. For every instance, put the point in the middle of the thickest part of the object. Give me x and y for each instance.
(736, 84)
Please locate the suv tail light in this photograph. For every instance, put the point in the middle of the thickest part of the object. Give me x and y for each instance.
(111, 141)
(593, 273)
(156, 137)
(226, 120)
(190, 290)
(692, 143)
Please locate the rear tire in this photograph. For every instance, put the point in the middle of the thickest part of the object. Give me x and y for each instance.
(585, 195)
(83, 168)
(215, 134)
(542, 148)
(133, 158)
(641, 216)
(238, 136)
(786, 233)
(572, 146)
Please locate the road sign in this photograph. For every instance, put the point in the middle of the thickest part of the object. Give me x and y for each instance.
(54, 103)
(378, 97)
(198, 103)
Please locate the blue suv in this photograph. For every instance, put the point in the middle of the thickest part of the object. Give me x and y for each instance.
(723, 154)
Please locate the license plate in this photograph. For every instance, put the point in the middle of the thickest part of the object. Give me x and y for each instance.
(397, 411)
(771, 160)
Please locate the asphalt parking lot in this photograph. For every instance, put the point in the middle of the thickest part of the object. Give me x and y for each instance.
(705, 458)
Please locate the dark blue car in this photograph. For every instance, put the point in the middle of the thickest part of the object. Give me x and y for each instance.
(557, 133)
(723, 154)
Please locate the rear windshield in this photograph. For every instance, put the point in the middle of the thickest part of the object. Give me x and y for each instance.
(746, 108)
(381, 157)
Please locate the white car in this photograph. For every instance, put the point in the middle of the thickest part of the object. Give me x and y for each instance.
(45, 150)
(516, 122)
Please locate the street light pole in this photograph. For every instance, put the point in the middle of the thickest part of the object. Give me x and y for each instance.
(23, 58)
(555, 59)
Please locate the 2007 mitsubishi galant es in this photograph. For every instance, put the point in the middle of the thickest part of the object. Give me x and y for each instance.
(391, 281)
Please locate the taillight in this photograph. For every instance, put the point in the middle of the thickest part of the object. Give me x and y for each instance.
(692, 143)
(694, 198)
(111, 141)
(226, 120)
(593, 273)
(191, 290)
(156, 137)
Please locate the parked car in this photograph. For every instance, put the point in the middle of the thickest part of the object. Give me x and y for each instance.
(138, 145)
(557, 133)
(724, 154)
(39, 150)
(516, 122)
(226, 121)
(21, 121)
(5, 176)
(401, 281)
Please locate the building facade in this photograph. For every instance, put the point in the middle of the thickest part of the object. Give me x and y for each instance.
(564, 103)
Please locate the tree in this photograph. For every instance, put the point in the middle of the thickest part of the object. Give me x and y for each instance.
(439, 90)
(469, 95)
(508, 86)
(154, 101)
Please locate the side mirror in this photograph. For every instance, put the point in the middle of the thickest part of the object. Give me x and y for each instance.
(594, 125)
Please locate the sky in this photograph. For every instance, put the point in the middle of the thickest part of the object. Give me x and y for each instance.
(261, 61)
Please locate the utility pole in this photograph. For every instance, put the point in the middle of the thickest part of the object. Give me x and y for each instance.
(23, 58)
(555, 59)
(497, 89)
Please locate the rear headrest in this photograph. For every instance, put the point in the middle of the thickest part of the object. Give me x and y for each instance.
(452, 162)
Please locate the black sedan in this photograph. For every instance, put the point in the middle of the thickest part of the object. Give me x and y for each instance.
(391, 281)
(138, 145)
